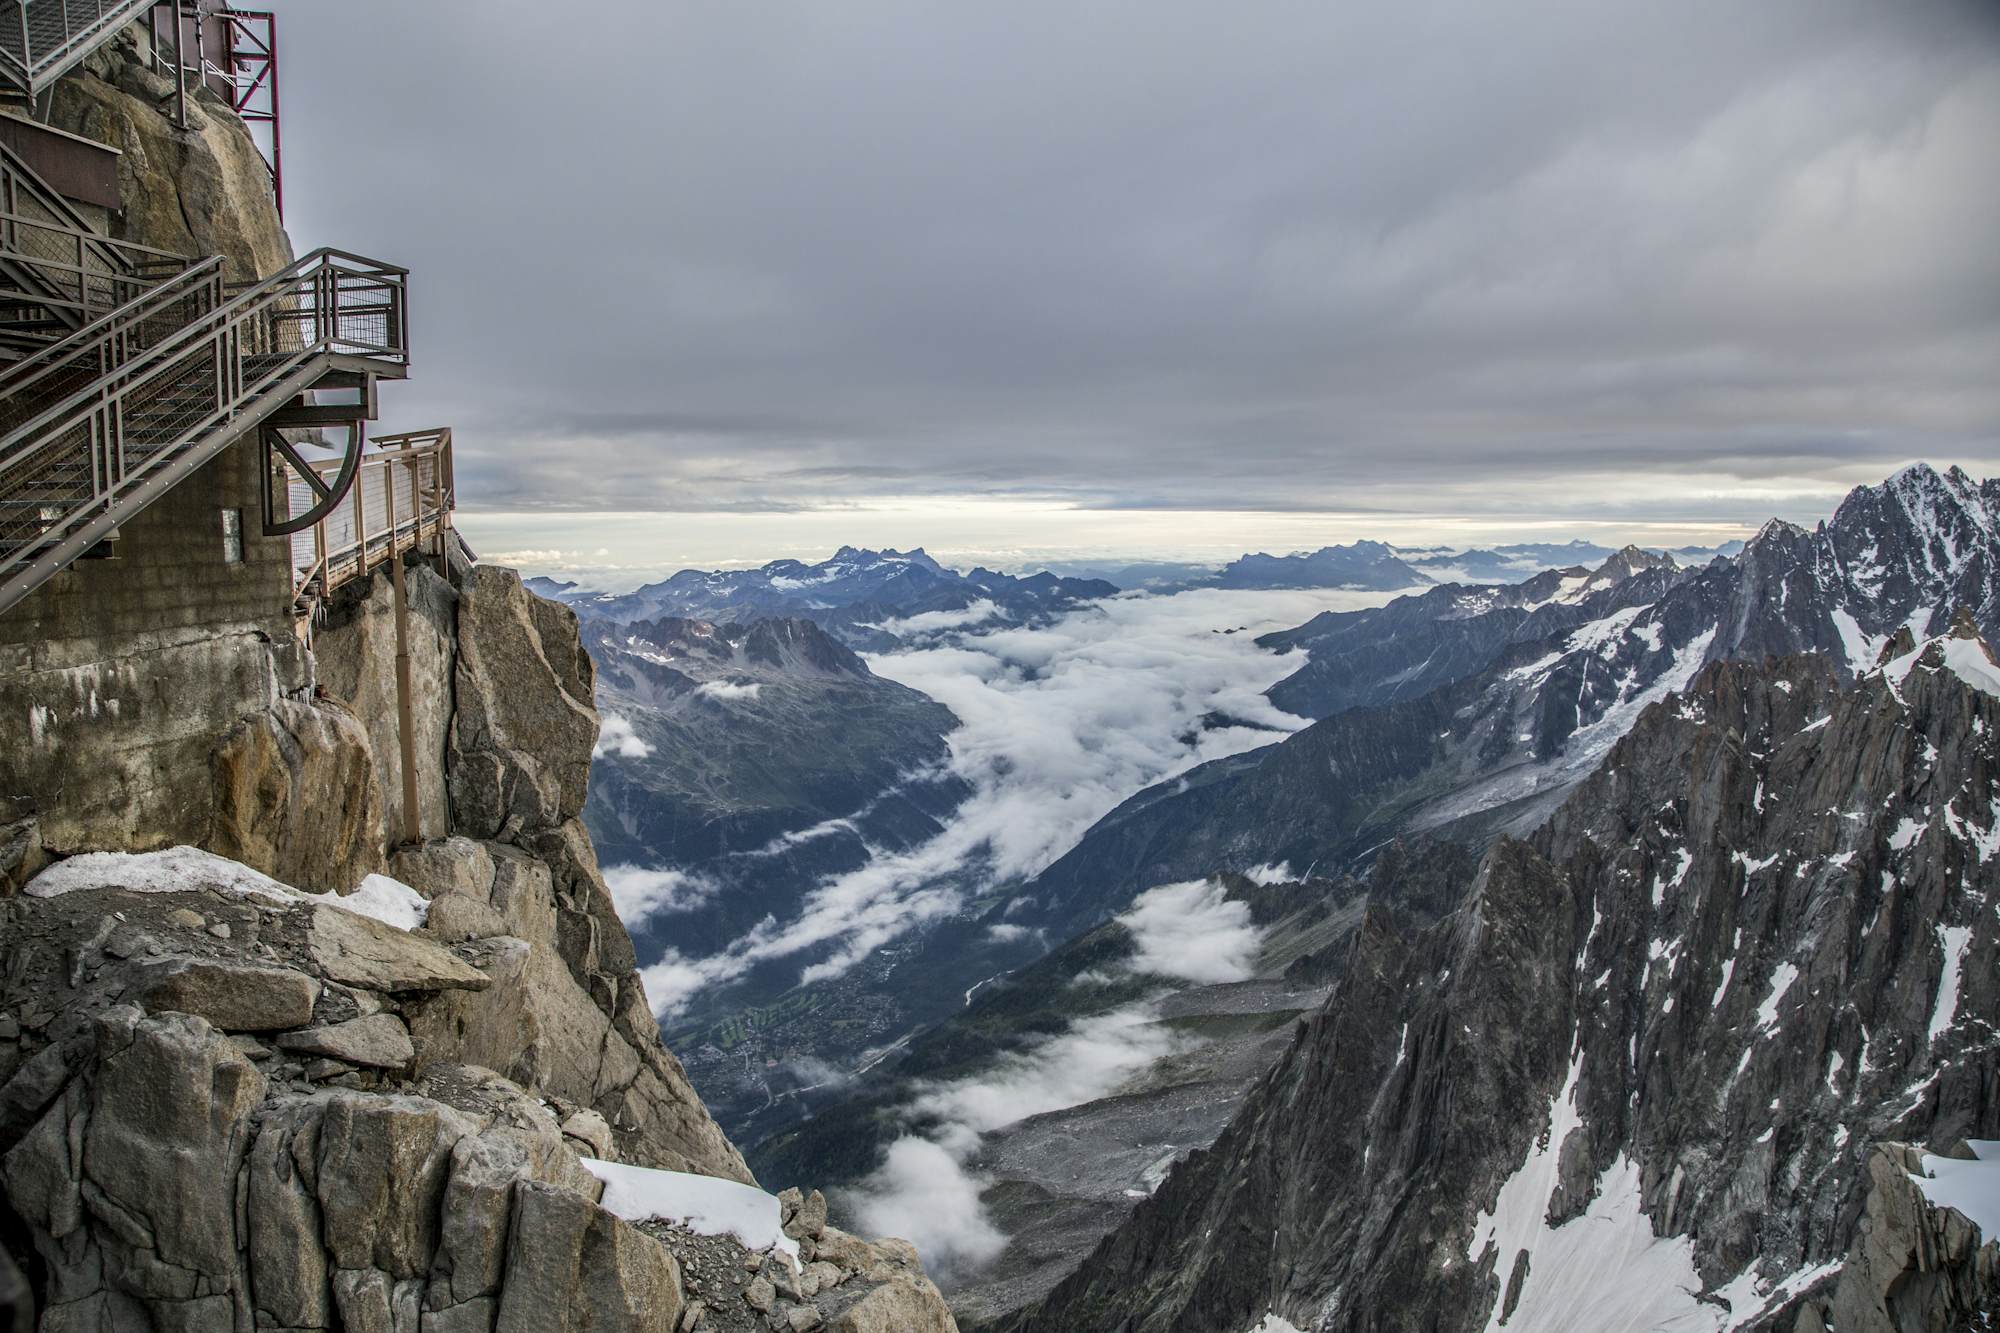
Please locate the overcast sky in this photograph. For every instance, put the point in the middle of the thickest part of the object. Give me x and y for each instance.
(1162, 275)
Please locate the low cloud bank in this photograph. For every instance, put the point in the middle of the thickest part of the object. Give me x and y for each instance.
(928, 1187)
(615, 736)
(729, 690)
(1191, 932)
(1059, 724)
(640, 893)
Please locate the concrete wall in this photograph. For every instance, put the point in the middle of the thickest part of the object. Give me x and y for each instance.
(121, 679)
(118, 676)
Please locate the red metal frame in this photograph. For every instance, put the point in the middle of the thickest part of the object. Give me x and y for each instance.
(243, 72)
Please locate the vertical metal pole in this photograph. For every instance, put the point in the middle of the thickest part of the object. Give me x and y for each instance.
(277, 133)
(406, 717)
(180, 67)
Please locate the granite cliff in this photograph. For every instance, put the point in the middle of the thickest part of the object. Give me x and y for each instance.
(277, 1052)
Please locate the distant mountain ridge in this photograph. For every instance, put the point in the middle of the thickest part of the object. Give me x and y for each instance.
(1518, 720)
(1362, 565)
(863, 598)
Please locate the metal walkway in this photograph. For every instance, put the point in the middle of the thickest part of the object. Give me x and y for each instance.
(401, 499)
(107, 421)
(42, 40)
(57, 273)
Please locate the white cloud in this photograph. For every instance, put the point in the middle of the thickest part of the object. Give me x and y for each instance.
(729, 690)
(1191, 932)
(930, 622)
(1059, 725)
(639, 893)
(926, 1191)
(1268, 873)
(1009, 934)
(925, 1195)
(615, 736)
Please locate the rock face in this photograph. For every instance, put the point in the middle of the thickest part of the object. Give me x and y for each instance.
(352, 1164)
(1656, 1069)
(354, 656)
(524, 724)
(205, 191)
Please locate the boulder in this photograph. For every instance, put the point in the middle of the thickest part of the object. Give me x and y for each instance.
(236, 997)
(574, 1268)
(523, 724)
(903, 1304)
(296, 796)
(460, 916)
(378, 1041)
(590, 1129)
(362, 951)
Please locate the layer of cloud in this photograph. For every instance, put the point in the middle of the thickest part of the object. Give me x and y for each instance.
(1542, 257)
(1059, 725)
(926, 1189)
(616, 736)
(931, 622)
(1185, 932)
(1191, 932)
(641, 893)
(729, 691)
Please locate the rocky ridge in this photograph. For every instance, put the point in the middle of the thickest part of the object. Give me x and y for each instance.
(228, 1106)
(1746, 976)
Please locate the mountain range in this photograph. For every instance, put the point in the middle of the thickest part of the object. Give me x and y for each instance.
(869, 600)
(1508, 717)
(1710, 1049)
(1533, 692)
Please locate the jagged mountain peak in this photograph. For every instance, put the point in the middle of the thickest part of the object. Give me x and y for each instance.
(1647, 1075)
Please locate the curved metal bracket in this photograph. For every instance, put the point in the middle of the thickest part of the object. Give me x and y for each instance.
(280, 457)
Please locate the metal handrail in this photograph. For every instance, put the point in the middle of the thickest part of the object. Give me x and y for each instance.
(58, 261)
(46, 38)
(61, 260)
(402, 495)
(107, 341)
(114, 446)
(306, 295)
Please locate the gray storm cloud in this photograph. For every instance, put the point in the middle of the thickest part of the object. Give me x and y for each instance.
(1171, 254)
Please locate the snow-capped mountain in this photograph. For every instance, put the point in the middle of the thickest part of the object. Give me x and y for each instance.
(1416, 644)
(1712, 1049)
(866, 599)
(1518, 720)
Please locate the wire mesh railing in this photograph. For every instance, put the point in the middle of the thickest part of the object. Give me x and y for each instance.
(67, 472)
(30, 385)
(40, 40)
(402, 497)
(57, 273)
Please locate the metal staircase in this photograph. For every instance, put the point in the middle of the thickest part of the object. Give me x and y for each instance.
(57, 273)
(101, 424)
(42, 40)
